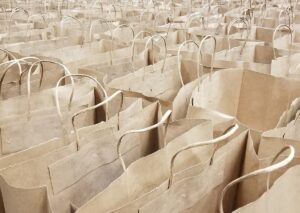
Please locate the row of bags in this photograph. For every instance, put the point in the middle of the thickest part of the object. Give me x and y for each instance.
(33, 180)
(153, 112)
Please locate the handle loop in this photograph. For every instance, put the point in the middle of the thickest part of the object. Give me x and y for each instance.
(165, 118)
(197, 145)
(67, 17)
(179, 59)
(69, 75)
(165, 47)
(133, 45)
(11, 64)
(281, 26)
(238, 20)
(266, 170)
(200, 56)
(29, 81)
(15, 11)
(94, 107)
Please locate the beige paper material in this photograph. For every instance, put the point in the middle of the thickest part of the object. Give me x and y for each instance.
(135, 187)
(195, 192)
(252, 57)
(140, 83)
(21, 175)
(274, 200)
(260, 152)
(251, 97)
(19, 132)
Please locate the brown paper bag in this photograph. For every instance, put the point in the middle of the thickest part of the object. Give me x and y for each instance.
(168, 74)
(220, 121)
(45, 99)
(291, 131)
(292, 113)
(245, 95)
(287, 40)
(85, 135)
(71, 191)
(266, 171)
(27, 35)
(35, 47)
(257, 33)
(122, 33)
(117, 122)
(200, 192)
(166, 80)
(286, 66)
(273, 201)
(32, 197)
(143, 190)
(260, 152)
(89, 54)
(39, 47)
(70, 27)
(173, 130)
(122, 196)
(181, 101)
(44, 76)
(20, 131)
(259, 21)
(252, 57)
(106, 73)
(35, 206)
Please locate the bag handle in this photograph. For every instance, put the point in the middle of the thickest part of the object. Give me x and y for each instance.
(179, 58)
(200, 56)
(286, 13)
(29, 19)
(266, 170)
(106, 101)
(8, 54)
(72, 94)
(192, 17)
(15, 11)
(165, 47)
(40, 64)
(133, 45)
(281, 26)
(165, 118)
(215, 141)
(14, 61)
(110, 31)
(17, 62)
(29, 81)
(94, 22)
(235, 21)
(119, 27)
(68, 17)
(169, 28)
(142, 14)
(11, 63)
